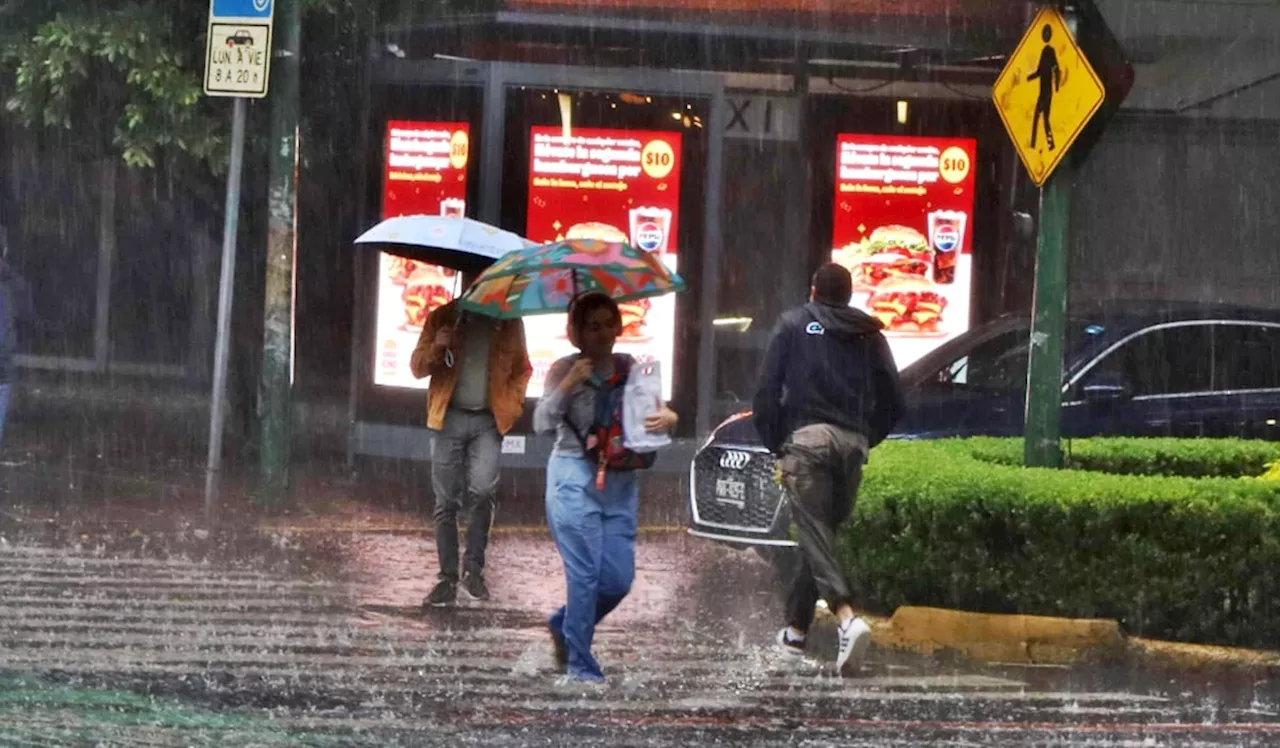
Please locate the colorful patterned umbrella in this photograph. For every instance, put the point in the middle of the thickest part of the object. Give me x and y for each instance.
(543, 280)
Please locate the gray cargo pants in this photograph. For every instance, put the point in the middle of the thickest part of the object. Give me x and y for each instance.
(821, 470)
(464, 461)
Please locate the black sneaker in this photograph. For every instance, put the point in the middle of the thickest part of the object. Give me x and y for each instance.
(474, 586)
(444, 595)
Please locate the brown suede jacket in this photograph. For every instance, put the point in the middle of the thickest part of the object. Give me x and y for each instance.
(509, 368)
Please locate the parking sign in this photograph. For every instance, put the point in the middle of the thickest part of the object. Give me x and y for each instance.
(238, 55)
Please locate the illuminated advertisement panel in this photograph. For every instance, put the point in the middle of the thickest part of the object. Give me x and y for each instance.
(903, 228)
(614, 185)
(424, 172)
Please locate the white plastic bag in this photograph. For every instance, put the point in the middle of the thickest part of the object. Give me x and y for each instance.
(642, 398)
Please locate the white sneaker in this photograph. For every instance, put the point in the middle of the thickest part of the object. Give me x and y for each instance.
(855, 637)
(787, 645)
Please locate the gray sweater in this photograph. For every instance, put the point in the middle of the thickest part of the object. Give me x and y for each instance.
(579, 405)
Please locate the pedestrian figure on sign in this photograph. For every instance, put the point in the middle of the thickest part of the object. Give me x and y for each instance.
(1050, 77)
(828, 393)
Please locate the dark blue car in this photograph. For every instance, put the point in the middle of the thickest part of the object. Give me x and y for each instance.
(1129, 370)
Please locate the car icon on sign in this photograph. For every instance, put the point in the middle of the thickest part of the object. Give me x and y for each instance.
(241, 38)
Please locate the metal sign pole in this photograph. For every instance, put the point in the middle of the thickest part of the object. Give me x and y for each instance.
(1048, 95)
(217, 410)
(1042, 445)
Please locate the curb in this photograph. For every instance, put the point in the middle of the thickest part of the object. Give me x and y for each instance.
(1042, 640)
(990, 637)
(1201, 656)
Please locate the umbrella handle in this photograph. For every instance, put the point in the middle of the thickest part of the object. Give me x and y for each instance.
(448, 354)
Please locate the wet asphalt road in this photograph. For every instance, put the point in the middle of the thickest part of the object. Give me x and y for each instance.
(317, 638)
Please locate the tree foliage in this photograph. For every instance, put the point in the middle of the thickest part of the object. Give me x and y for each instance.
(121, 80)
(124, 77)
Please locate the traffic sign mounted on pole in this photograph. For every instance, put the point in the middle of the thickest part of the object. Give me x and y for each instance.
(1051, 98)
(237, 64)
(238, 56)
(1046, 94)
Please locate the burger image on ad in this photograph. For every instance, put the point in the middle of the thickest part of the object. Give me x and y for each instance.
(595, 230)
(895, 239)
(908, 305)
(633, 320)
(876, 269)
(888, 252)
(401, 269)
(899, 240)
(426, 290)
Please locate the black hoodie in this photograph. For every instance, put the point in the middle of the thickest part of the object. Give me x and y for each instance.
(827, 364)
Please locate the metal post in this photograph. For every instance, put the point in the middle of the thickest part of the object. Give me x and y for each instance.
(277, 353)
(231, 221)
(361, 350)
(710, 292)
(797, 276)
(494, 143)
(1044, 371)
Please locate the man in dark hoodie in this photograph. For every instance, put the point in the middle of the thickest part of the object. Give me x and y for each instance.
(828, 393)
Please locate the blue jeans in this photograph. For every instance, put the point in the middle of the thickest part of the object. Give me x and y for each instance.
(595, 532)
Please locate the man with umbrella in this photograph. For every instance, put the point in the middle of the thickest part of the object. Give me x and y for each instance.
(479, 371)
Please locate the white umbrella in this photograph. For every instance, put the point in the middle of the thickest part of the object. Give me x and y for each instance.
(459, 243)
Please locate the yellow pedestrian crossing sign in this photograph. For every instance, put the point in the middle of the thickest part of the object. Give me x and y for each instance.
(1046, 94)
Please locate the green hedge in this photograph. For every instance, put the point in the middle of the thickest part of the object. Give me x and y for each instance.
(959, 524)
(1188, 458)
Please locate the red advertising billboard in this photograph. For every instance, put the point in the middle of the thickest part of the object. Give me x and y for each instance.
(424, 172)
(425, 168)
(615, 185)
(903, 228)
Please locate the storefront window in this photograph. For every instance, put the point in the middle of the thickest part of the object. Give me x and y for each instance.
(424, 173)
(614, 185)
(908, 198)
(901, 226)
(613, 165)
